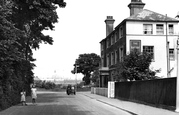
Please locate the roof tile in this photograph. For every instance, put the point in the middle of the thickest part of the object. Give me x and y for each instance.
(147, 15)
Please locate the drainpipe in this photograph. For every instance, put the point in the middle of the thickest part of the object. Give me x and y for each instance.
(167, 51)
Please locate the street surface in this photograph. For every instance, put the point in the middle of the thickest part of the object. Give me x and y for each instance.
(58, 103)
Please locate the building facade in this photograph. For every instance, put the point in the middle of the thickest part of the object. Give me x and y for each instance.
(146, 31)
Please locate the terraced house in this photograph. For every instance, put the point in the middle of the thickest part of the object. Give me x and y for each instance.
(145, 30)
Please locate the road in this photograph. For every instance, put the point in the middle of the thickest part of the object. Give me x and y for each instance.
(58, 103)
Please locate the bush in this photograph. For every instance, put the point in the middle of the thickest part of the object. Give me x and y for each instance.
(46, 85)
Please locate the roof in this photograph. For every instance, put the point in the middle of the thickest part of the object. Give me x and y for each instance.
(147, 15)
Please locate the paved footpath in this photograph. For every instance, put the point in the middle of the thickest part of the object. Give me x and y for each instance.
(139, 109)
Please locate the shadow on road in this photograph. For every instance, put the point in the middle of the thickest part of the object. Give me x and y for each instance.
(47, 104)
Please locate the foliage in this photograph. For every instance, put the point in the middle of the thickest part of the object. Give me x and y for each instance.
(21, 26)
(45, 84)
(48, 85)
(136, 66)
(11, 58)
(95, 77)
(86, 63)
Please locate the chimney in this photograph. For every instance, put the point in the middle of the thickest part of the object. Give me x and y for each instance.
(109, 25)
(136, 6)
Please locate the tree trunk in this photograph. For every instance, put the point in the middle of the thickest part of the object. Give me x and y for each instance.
(86, 79)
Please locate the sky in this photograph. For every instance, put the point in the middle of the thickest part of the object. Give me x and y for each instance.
(79, 30)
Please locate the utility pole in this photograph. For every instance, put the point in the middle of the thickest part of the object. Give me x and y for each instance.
(76, 67)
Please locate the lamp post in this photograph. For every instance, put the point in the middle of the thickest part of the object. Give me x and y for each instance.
(76, 66)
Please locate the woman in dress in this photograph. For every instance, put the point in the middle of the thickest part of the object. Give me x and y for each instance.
(33, 94)
(23, 95)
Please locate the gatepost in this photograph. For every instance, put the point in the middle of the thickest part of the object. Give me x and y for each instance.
(111, 89)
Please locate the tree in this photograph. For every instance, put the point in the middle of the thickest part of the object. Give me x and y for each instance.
(11, 58)
(21, 26)
(95, 77)
(136, 66)
(32, 17)
(86, 63)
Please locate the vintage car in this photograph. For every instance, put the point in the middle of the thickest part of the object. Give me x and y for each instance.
(71, 90)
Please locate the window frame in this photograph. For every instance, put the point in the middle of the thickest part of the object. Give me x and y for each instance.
(159, 29)
(172, 56)
(148, 50)
(120, 32)
(169, 30)
(108, 59)
(147, 31)
(121, 54)
(116, 56)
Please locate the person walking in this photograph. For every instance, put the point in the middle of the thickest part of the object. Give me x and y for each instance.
(33, 94)
(23, 97)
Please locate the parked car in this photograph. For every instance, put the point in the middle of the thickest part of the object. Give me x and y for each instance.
(71, 90)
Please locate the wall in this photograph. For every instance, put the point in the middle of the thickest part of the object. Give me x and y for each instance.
(135, 32)
(99, 91)
(160, 92)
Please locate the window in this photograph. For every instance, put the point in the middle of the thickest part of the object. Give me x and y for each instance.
(108, 60)
(112, 40)
(116, 57)
(112, 58)
(120, 32)
(159, 29)
(121, 54)
(171, 30)
(149, 49)
(102, 46)
(102, 61)
(116, 37)
(108, 42)
(147, 29)
(171, 54)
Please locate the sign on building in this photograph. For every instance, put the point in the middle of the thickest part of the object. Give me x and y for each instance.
(135, 44)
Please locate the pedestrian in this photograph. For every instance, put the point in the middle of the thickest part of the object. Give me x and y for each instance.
(23, 97)
(33, 94)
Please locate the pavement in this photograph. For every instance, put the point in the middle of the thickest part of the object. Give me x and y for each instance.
(133, 108)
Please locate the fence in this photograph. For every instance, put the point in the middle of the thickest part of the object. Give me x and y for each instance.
(99, 91)
(159, 92)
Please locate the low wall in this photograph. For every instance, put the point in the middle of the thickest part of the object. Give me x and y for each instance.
(99, 91)
(159, 92)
